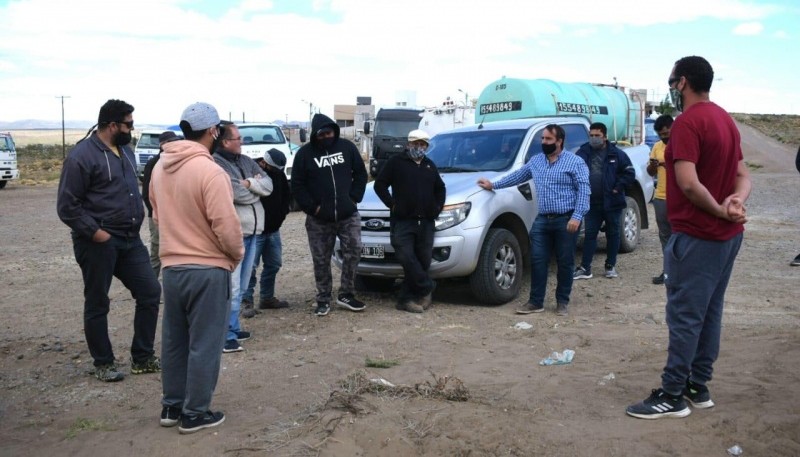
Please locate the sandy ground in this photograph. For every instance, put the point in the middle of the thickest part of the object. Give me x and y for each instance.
(299, 387)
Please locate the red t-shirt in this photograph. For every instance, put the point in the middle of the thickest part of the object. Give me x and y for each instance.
(707, 136)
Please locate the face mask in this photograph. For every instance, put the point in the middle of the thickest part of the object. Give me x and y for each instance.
(548, 148)
(328, 143)
(216, 142)
(121, 139)
(665, 140)
(416, 153)
(677, 98)
(596, 142)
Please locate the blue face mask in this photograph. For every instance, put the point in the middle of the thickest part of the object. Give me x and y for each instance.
(596, 142)
(415, 153)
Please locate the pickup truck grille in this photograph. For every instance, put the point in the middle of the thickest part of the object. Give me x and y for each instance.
(375, 224)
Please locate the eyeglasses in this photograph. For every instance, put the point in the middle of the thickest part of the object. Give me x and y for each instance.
(128, 123)
(238, 138)
(673, 80)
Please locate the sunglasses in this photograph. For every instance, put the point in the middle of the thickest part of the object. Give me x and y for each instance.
(128, 123)
(672, 81)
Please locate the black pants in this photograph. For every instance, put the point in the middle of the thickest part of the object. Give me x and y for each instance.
(412, 240)
(127, 260)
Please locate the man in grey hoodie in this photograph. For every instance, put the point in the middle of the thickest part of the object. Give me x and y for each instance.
(249, 183)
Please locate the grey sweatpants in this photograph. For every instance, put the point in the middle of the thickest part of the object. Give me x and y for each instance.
(321, 239)
(197, 300)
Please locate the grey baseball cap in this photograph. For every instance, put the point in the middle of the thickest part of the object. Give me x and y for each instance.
(200, 116)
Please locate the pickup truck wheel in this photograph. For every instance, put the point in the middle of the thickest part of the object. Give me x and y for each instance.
(373, 284)
(3, 184)
(498, 276)
(630, 226)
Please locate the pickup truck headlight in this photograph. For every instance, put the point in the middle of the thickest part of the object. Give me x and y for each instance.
(451, 216)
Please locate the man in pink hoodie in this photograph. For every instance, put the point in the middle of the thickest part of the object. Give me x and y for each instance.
(201, 243)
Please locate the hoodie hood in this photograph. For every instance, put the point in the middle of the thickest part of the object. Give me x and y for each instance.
(177, 153)
(318, 122)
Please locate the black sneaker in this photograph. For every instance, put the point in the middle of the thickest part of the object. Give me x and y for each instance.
(232, 346)
(196, 423)
(108, 373)
(323, 308)
(350, 302)
(529, 307)
(659, 404)
(698, 395)
(241, 335)
(796, 261)
(582, 273)
(170, 416)
(562, 309)
(151, 365)
(658, 279)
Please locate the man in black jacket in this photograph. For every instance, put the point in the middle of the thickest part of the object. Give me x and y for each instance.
(610, 173)
(165, 137)
(99, 199)
(417, 198)
(328, 181)
(269, 248)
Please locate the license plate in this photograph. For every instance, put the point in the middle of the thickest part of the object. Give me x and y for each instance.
(372, 251)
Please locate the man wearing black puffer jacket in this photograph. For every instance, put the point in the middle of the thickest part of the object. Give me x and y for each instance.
(328, 181)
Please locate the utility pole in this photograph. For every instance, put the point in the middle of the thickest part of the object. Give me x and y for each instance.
(63, 134)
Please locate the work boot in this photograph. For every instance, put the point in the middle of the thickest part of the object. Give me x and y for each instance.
(409, 305)
(248, 310)
(426, 301)
(272, 303)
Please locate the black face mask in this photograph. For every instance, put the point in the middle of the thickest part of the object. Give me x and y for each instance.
(121, 139)
(327, 143)
(548, 149)
(665, 140)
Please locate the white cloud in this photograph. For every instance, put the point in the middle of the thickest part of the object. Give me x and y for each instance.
(162, 55)
(748, 29)
(781, 34)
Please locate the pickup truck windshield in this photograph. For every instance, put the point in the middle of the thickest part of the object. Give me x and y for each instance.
(483, 150)
(257, 134)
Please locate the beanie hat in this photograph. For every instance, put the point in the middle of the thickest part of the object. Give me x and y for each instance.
(275, 158)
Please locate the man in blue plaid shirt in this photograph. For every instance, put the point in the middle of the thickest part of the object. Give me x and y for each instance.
(562, 191)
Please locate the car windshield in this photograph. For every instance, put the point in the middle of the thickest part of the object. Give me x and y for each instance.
(395, 127)
(148, 140)
(482, 150)
(261, 134)
(6, 144)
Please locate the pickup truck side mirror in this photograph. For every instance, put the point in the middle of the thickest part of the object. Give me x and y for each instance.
(366, 128)
(302, 135)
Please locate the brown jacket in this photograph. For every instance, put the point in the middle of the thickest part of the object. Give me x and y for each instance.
(193, 207)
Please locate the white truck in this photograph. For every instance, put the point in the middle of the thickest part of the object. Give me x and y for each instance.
(8, 159)
(483, 235)
(446, 116)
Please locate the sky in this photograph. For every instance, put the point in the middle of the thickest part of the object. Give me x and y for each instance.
(266, 60)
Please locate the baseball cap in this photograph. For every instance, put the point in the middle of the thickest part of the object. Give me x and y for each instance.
(275, 158)
(200, 116)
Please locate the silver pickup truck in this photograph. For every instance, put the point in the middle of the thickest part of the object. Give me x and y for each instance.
(483, 235)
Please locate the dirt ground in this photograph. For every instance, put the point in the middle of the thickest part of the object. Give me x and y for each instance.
(301, 387)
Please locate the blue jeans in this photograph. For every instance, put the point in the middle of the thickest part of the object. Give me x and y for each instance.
(548, 234)
(591, 223)
(240, 275)
(269, 250)
(696, 275)
(128, 260)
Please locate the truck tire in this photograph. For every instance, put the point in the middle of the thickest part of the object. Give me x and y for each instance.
(498, 276)
(373, 284)
(630, 226)
(3, 184)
